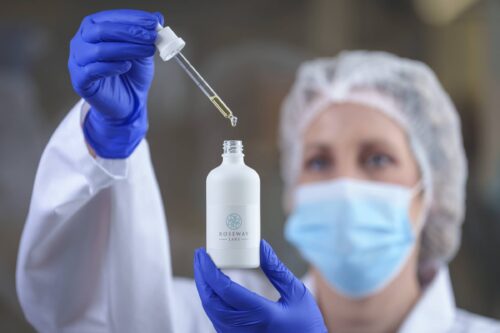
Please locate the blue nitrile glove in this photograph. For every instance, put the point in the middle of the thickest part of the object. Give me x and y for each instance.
(111, 67)
(233, 308)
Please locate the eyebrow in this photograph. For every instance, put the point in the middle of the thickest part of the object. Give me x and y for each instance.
(316, 146)
(366, 142)
(387, 144)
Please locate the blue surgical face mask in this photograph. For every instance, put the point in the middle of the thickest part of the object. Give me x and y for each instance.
(358, 234)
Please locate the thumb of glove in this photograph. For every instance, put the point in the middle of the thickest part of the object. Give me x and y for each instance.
(283, 280)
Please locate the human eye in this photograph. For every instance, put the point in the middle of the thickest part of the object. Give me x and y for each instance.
(378, 160)
(317, 163)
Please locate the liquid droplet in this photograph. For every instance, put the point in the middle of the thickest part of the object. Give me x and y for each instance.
(234, 120)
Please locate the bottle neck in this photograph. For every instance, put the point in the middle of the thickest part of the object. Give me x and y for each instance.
(233, 158)
(232, 151)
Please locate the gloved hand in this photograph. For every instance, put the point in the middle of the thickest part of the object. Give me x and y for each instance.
(233, 308)
(111, 67)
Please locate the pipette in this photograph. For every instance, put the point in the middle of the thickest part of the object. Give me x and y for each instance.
(170, 45)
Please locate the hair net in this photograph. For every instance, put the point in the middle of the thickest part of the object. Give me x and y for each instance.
(409, 92)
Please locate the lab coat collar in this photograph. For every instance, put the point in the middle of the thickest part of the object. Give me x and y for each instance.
(434, 311)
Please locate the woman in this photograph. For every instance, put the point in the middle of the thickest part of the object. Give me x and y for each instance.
(374, 170)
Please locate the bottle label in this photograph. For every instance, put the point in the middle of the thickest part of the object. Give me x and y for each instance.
(233, 226)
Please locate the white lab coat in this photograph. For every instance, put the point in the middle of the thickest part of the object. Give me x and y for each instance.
(94, 254)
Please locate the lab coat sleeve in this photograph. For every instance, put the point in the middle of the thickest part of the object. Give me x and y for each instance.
(94, 253)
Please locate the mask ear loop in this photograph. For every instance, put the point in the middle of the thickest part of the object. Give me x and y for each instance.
(416, 190)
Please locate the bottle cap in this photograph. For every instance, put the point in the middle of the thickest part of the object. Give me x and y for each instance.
(168, 43)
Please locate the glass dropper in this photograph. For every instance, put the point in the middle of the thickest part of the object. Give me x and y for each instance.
(205, 87)
(170, 46)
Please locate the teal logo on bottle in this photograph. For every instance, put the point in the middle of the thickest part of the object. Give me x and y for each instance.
(233, 221)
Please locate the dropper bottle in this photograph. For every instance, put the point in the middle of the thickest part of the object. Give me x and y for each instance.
(170, 45)
(233, 211)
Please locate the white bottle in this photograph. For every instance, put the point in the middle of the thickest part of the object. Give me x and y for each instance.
(233, 211)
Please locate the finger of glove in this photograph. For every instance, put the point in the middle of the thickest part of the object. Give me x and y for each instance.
(160, 18)
(127, 16)
(280, 276)
(219, 312)
(215, 307)
(86, 53)
(88, 74)
(207, 294)
(117, 32)
(230, 292)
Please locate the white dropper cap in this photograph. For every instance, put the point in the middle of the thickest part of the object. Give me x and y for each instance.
(168, 43)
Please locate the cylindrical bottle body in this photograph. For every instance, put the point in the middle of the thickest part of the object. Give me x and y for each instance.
(233, 215)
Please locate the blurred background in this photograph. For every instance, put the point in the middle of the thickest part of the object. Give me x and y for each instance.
(249, 51)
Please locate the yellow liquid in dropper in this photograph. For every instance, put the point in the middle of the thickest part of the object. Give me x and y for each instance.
(223, 109)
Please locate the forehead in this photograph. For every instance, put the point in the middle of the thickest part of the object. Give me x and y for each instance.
(350, 122)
